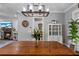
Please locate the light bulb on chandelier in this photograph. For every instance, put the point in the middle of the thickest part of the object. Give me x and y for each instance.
(31, 7)
(35, 11)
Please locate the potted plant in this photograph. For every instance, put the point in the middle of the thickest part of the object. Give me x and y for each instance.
(74, 33)
(36, 34)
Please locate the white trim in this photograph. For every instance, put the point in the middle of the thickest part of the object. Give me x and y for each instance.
(34, 40)
(70, 7)
(42, 24)
(64, 10)
(75, 13)
(55, 37)
(48, 33)
(56, 12)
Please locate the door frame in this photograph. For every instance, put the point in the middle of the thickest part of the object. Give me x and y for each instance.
(42, 25)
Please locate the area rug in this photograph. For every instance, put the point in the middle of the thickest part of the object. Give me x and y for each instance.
(4, 43)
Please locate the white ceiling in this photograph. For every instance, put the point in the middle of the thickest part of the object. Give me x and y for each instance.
(13, 8)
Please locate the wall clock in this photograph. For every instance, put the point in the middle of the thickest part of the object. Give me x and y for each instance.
(25, 23)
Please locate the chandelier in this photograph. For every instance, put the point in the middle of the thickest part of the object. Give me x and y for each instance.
(35, 10)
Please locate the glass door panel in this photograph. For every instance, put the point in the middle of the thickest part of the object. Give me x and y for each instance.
(60, 29)
(49, 29)
(55, 30)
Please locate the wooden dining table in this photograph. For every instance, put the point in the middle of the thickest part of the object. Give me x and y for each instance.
(44, 48)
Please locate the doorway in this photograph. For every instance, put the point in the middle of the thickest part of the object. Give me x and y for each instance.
(38, 23)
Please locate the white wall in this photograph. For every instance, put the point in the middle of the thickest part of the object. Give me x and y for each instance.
(59, 17)
(68, 16)
(24, 34)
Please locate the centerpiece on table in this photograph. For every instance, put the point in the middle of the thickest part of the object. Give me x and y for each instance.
(37, 35)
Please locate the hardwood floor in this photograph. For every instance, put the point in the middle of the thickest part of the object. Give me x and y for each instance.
(28, 48)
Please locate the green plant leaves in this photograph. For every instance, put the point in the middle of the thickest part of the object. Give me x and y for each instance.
(73, 25)
(37, 34)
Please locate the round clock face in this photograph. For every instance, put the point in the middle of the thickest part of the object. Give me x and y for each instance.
(25, 23)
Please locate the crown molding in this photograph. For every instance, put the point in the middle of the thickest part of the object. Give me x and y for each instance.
(8, 16)
(70, 7)
(56, 12)
(65, 10)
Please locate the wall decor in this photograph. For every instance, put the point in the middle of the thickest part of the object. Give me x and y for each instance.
(25, 23)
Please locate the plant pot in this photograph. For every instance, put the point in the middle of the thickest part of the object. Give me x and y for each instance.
(73, 46)
(69, 42)
(77, 47)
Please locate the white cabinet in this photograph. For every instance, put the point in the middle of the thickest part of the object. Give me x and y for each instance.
(55, 32)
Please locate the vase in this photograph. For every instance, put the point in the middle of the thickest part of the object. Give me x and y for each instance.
(37, 43)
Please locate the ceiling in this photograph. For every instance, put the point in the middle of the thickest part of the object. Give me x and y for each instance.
(11, 9)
